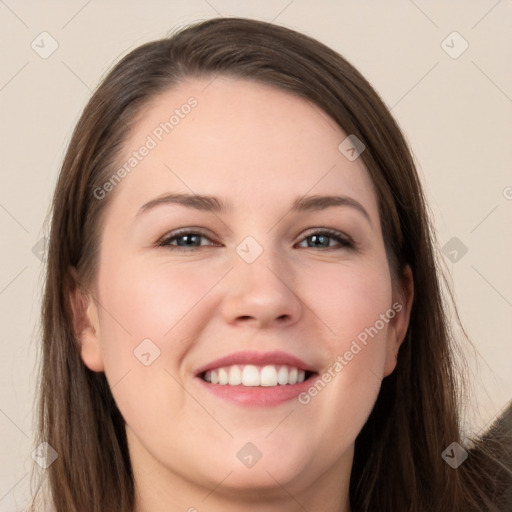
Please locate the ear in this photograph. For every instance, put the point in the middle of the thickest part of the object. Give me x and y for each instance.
(397, 328)
(85, 324)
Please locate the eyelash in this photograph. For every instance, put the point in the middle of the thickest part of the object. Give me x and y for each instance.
(345, 241)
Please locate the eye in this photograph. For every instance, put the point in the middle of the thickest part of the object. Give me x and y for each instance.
(320, 239)
(185, 240)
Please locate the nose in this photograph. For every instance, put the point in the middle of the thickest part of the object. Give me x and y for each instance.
(261, 294)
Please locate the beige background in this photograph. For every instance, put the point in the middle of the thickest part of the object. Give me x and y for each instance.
(455, 112)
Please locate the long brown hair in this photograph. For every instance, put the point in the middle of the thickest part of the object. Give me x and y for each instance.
(397, 464)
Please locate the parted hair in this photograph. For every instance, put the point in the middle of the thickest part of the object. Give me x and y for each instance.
(398, 465)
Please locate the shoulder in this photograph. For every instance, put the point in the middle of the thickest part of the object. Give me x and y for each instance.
(491, 460)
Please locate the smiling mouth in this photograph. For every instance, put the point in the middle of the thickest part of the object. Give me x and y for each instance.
(250, 375)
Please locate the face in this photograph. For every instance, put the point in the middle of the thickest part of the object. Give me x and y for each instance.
(251, 339)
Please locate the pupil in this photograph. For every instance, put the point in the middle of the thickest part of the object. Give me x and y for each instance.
(316, 238)
(186, 238)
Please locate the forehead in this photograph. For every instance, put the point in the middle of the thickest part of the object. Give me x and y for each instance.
(243, 139)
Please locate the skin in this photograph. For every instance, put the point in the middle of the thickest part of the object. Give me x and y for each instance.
(258, 148)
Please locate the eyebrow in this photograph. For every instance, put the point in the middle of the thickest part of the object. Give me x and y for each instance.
(214, 204)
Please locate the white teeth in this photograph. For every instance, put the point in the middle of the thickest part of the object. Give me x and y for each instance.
(269, 376)
(251, 375)
(235, 376)
(282, 375)
(223, 376)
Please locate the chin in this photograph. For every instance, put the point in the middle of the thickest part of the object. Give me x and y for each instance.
(262, 470)
(261, 479)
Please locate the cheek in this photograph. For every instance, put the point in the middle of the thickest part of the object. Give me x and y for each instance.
(174, 304)
(350, 300)
(356, 306)
(150, 316)
(148, 301)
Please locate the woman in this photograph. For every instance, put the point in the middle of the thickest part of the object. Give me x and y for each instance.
(242, 308)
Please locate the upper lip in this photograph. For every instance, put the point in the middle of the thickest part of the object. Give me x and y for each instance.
(276, 357)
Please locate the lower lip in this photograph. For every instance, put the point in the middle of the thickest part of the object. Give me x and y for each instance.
(257, 395)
